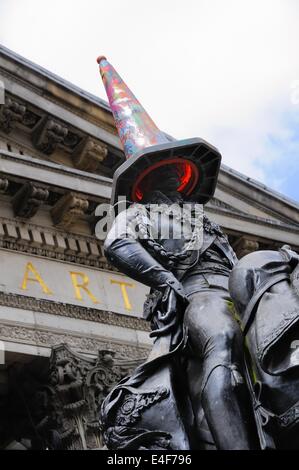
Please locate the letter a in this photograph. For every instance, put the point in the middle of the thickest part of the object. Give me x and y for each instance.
(37, 278)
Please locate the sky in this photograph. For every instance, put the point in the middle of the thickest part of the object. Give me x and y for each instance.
(225, 71)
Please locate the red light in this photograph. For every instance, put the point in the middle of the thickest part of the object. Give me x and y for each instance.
(139, 194)
(186, 176)
(188, 173)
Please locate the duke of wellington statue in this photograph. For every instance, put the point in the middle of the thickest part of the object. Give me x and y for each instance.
(223, 372)
(191, 392)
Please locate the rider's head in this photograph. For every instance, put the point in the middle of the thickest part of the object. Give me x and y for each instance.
(164, 180)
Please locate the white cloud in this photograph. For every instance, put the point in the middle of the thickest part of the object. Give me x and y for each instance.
(222, 70)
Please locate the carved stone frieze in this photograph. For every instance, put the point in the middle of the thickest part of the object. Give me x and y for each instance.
(84, 344)
(71, 140)
(53, 244)
(28, 199)
(11, 113)
(69, 208)
(30, 119)
(54, 253)
(48, 134)
(89, 154)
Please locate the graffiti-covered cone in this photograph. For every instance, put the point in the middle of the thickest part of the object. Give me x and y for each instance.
(147, 148)
(135, 127)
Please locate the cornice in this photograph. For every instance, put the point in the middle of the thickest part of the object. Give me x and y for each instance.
(252, 203)
(54, 167)
(255, 219)
(46, 74)
(53, 244)
(72, 311)
(254, 184)
(217, 204)
(56, 178)
(250, 191)
(63, 104)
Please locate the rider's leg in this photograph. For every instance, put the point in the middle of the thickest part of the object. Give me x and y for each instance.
(216, 340)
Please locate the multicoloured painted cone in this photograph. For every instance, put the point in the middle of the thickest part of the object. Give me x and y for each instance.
(146, 148)
(135, 127)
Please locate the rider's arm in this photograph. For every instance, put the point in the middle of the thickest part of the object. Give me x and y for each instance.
(126, 253)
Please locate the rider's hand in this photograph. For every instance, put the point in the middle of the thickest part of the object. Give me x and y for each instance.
(172, 301)
(178, 288)
(169, 306)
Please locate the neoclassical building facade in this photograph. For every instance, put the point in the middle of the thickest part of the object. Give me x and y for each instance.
(70, 325)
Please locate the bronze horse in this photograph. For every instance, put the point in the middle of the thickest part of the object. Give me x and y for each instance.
(264, 286)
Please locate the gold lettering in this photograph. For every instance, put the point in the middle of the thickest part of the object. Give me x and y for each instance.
(37, 278)
(84, 283)
(124, 292)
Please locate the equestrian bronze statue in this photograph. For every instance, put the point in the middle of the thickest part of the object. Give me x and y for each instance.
(200, 387)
